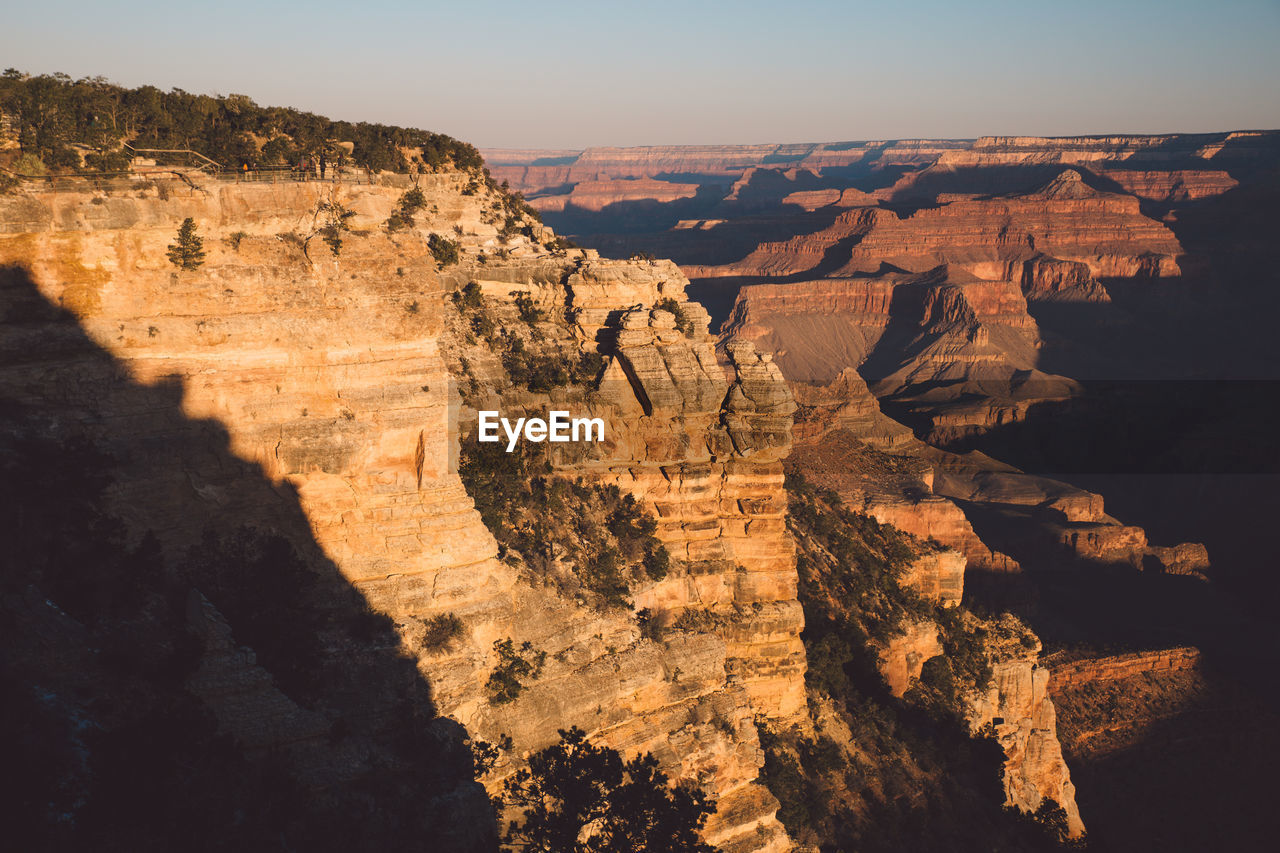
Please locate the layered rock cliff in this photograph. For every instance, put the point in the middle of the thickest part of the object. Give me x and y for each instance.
(597, 195)
(330, 375)
(1103, 259)
(990, 237)
(953, 350)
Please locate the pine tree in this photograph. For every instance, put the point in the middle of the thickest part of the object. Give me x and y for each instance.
(188, 252)
(576, 796)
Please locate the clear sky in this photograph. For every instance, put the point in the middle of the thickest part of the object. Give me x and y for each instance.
(551, 74)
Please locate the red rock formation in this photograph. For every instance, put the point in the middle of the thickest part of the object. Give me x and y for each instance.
(1173, 185)
(958, 350)
(989, 237)
(1054, 280)
(597, 195)
(1113, 667)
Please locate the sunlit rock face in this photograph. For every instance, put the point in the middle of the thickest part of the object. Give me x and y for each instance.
(330, 376)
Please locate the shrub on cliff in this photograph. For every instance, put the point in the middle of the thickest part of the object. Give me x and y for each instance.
(469, 298)
(409, 204)
(515, 665)
(334, 225)
(683, 323)
(188, 252)
(30, 166)
(539, 372)
(578, 536)
(576, 796)
(440, 631)
(446, 252)
(529, 312)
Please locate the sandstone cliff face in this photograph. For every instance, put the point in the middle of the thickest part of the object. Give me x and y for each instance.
(946, 347)
(331, 375)
(902, 657)
(597, 195)
(1075, 673)
(534, 171)
(989, 237)
(1018, 707)
(699, 441)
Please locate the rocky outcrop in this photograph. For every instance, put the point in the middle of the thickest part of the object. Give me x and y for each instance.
(1175, 185)
(902, 657)
(846, 403)
(943, 345)
(937, 575)
(814, 199)
(990, 237)
(1046, 279)
(1018, 708)
(1074, 673)
(846, 444)
(937, 517)
(818, 328)
(330, 375)
(1187, 558)
(597, 195)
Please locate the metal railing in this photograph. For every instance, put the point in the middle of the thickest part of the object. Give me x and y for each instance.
(202, 163)
(285, 174)
(101, 181)
(139, 176)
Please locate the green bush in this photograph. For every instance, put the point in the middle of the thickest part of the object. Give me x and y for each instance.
(683, 323)
(108, 161)
(529, 312)
(411, 201)
(335, 225)
(30, 166)
(188, 252)
(440, 631)
(446, 252)
(576, 796)
(507, 680)
(470, 298)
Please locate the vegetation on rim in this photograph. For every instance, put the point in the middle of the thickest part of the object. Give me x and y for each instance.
(54, 112)
(188, 251)
(585, 539)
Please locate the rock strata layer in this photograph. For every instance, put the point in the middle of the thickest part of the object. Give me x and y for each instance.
(330, 375)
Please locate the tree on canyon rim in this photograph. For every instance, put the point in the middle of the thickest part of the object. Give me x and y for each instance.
(188, 252)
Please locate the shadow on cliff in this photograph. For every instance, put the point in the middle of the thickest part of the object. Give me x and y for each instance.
(758, 214)
(111, 744)
(1198, 777)
(1187, 461)
(639, 216)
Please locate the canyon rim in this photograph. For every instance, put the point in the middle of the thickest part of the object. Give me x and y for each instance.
(365, 489)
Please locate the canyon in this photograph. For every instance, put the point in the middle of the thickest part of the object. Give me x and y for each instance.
(1011, 347)
(843, 556)
(330, 379)
(327, 398)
